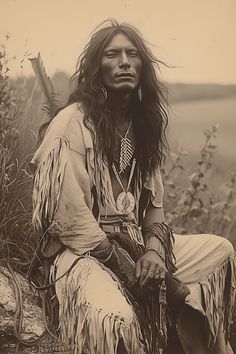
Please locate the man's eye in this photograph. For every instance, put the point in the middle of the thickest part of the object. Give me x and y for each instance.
(133, 54)
(110, 55)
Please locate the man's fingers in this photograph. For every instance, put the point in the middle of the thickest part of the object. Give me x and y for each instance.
(144, 272)
(153, 273)
(148, 274)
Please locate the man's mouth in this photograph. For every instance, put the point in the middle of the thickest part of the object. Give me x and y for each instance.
(129, 75)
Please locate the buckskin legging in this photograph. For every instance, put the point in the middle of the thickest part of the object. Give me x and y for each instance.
(95, 314)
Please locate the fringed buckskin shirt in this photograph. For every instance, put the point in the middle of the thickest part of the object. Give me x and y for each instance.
(68, 171)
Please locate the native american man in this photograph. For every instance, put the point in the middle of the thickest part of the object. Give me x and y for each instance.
(98, 197)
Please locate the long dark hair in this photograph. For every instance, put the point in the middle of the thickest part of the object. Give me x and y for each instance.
(149, 116)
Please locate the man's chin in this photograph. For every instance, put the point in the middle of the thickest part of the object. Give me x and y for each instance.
(124, 87)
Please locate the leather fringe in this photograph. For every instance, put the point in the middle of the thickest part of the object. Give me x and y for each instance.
(47, 185)
(218, 294)
(81, 325)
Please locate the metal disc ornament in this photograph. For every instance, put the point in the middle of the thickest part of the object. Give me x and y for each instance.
(125, 202)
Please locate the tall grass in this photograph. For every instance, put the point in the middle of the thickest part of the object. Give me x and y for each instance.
(17, 143)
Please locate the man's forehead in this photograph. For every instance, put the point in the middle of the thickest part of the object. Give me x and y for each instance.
(120, 40)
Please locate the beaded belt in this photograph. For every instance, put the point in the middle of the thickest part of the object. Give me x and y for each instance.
(115, 226)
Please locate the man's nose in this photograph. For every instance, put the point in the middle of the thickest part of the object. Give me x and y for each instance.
(124, 62)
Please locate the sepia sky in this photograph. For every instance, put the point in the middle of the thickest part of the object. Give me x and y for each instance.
(195, 36)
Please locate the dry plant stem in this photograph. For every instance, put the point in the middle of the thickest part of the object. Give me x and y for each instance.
(228, 203)
(205, 163)
(191, 200)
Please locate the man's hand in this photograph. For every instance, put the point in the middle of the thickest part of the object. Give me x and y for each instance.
(150, 266)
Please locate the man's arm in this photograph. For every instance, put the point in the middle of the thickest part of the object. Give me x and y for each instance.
(151, 264)
(153, 214)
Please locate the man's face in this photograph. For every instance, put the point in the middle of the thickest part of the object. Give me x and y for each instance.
(121, 64)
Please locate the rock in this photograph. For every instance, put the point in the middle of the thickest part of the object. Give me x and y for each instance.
(32, 321)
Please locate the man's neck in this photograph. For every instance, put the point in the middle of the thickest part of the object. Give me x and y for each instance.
(120, 101)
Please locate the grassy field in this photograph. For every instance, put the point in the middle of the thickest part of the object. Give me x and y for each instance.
(188, 119)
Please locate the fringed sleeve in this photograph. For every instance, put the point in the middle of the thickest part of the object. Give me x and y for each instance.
(47, 185)
(155, 185)
(62, 189)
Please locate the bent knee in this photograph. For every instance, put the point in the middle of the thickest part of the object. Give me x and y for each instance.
(228, 247)
(225, 245)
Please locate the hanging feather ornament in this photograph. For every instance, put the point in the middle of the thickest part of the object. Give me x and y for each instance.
(126, 151)
(46, 85)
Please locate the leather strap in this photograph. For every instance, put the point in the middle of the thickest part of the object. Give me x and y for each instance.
(108, 229)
